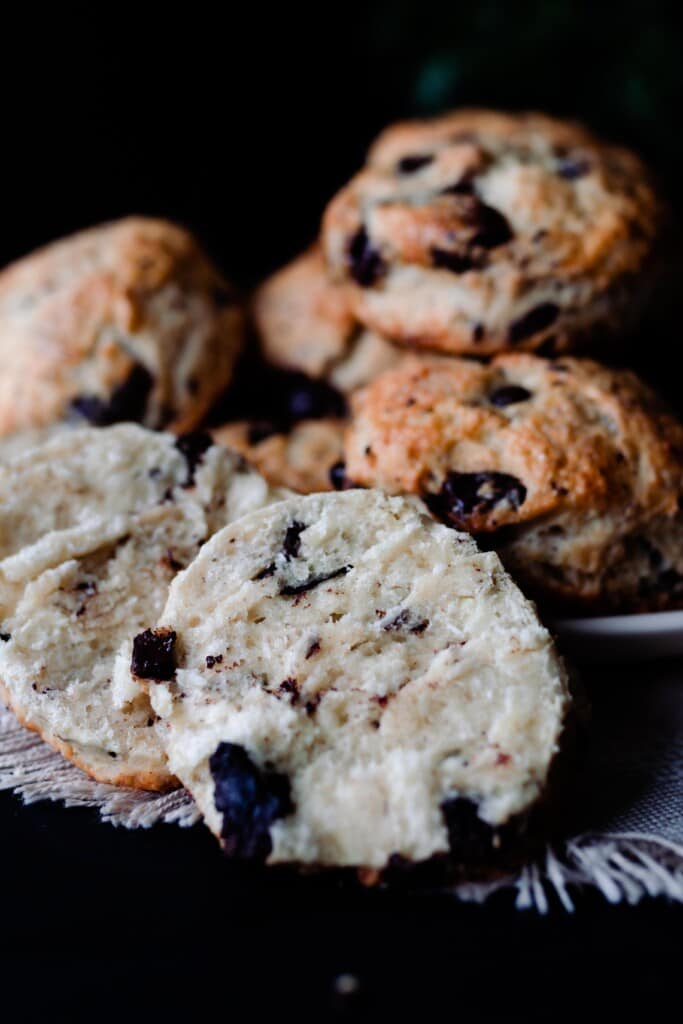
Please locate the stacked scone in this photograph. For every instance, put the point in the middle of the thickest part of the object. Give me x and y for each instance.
(453, 276)
(344, 676)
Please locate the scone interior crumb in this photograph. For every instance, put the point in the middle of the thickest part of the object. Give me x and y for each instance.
(376, 661)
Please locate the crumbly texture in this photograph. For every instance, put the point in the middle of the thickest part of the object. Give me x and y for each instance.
(25, 440)
(94, 525)
(348, 674)
(300, 459)
(128, 321)
(478, 232)
(572, 471)
(304, 323)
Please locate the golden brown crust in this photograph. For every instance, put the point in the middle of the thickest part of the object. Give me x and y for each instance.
(155, 782)
(479, 231)
(580, 464)
(300, 460)
(303, 320)
(304, 323)
(124, 321)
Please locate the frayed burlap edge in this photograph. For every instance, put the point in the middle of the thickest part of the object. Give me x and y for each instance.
(624, 867)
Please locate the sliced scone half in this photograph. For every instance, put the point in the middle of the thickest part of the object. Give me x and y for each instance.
(94, 525)
(341, 681)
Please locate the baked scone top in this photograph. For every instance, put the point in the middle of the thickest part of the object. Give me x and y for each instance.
(478, 231)
(517, 439)
(126, 321)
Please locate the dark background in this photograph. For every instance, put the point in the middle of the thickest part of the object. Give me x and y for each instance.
(241, 123)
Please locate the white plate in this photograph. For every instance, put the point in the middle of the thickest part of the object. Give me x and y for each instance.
(622, 637)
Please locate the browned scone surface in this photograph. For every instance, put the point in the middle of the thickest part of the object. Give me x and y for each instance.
(305, 323)
(300, 459)
(126, 321)
(572, 471)
(480, 231)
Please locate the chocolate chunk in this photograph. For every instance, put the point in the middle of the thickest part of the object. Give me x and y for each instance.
(87, 587)
(127, 402)
(154, 655)
(313, 648)
(292, 542)
(366, 265)
(465, 494)
(572, 168)
(509, 394)
(213, 659)
(260, 431)
(265, 573)
(172, 562)
(464, 187)
(492, 228)
(291, 590)
(412, 163)
(405, 620)
(291, 688)
(548, 347)
(311, 706)
(537, 319)
(457, 262)
(338, 475)
(308, 399)
(250, 800)
(193, 447)
(5, 637)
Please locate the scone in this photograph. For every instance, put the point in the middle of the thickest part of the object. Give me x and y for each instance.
(301, 459)
(572, 471)
(304, 323)
(478, 232)
(128, 321)
(343, 681)
(94, 525)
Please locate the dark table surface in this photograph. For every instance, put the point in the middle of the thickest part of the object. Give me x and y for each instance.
(102, 924)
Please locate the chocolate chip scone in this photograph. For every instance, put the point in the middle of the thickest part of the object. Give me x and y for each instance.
(572, 471)
(94, 525)
(478, 232)
(302, 459)
(128, 321)
(343, 681)
(304, 323)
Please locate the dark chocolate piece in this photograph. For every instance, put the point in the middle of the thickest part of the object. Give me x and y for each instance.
(414, 162)
(250, 800)
(338, 476)
(291, 590)
(292, 542)
(509, 394)
(154, 655)
(128, 401)
(193, 447)
(405, 620)
(366, 265)
(466, 494)
(456, 262)
(537, 319)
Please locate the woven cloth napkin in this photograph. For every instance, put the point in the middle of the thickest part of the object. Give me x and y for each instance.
(624, 816)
